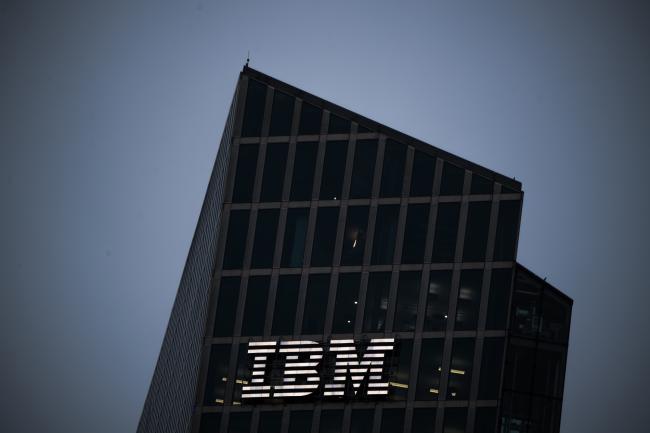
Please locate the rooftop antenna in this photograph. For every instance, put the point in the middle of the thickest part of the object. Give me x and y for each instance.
(248, 57)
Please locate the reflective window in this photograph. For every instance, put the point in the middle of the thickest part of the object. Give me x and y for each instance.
(415, 233)
(469, 299)
(254, 109)
(491, 361)
(324, 236)
(315, 304)
(444, 241)
(480, 185)
(556, 317)
(282, 114)
(270, 421)
(300, 421)
(354, 238)
(224, 319)
(303, 171)
(274, 165)
(424, 420)
(240, 422)
(233, 257)
(265, 231)
(215, 388)
(361, 420)
(338, 125)
(549, 370)
(242, 373)
(345, 309)
(286, 299)
(245, 176)
(374, 317)
(437, 301)
(383, 245)
(460, 373)
(526, 306)
(424, 167)
(331, 420)
(507, 228)
(476, 231)
(393, 169)
(255, 306)
(333, 170)
(497, 313)
(486, 420)
(365, 155)
(310, 118)
(362, 129)
(295, 233)
(210, 422)
(429, 369)
(408, 293)
(401, 370)
(392, 420)
(455, 420)
(520, 362)
(452, 180)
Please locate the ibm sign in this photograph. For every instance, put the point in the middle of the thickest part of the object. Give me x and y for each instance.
(291, 368)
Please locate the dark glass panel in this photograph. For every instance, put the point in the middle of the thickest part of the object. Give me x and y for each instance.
(374, 317)
(469, 300)
(415, 233)
(224, 319)
(324, 236)
(452, 180)
(444, 241)
(507, 228)
(515, 413)
(393, 169)
(486, 420)
(491, 361)
(383, 246)
(243, 371)
(233, 257)
(476, 231)
(345, 308)
(392, 420)
(424, 168)
(265, 231)
(437, 301)
(408, 293)
(545, 415)
(255, 306)
(507, 190)
(245, 176)
(481, 185)
(254, 110)
(520, 363)
(303, 171)
(315, 304)
(401, 370)
(270, 422)
(549, 370)
(429, 369)
(295, 233)
(556, 317)
(424, 420)
(455, 420)
(240, 422)
(365, 155)
(497, 313)
(215, 388)
(300, 421)
(460, 373)
(354, 238)
(362, 129)
(274, 165)
(338, 125)
(282, 114)
(526, 306)
(361, 420)
(333, 170)
(286, 299)
(331, 420)
(210, 422)
(310, 118)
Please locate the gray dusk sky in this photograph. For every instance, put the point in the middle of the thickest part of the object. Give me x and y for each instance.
(110, 117)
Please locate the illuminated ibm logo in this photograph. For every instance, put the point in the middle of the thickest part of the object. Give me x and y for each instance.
(301, 364)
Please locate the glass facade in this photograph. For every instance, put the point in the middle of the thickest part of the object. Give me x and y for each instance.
(333, 232)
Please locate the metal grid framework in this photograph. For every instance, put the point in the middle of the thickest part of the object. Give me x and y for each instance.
(511, 191)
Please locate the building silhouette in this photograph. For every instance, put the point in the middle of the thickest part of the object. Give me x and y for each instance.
(345, 277)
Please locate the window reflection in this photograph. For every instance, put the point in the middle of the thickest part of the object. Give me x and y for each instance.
(401, 371)
(383, 245)
(408, 294)
(345, 309)
(374, 317)
(437, 301)
(429, 371)
(469, 300)
(215, 388)
(460, 373)
(354, 238)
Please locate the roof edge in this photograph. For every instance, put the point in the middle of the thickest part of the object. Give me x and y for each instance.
(543, 281)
